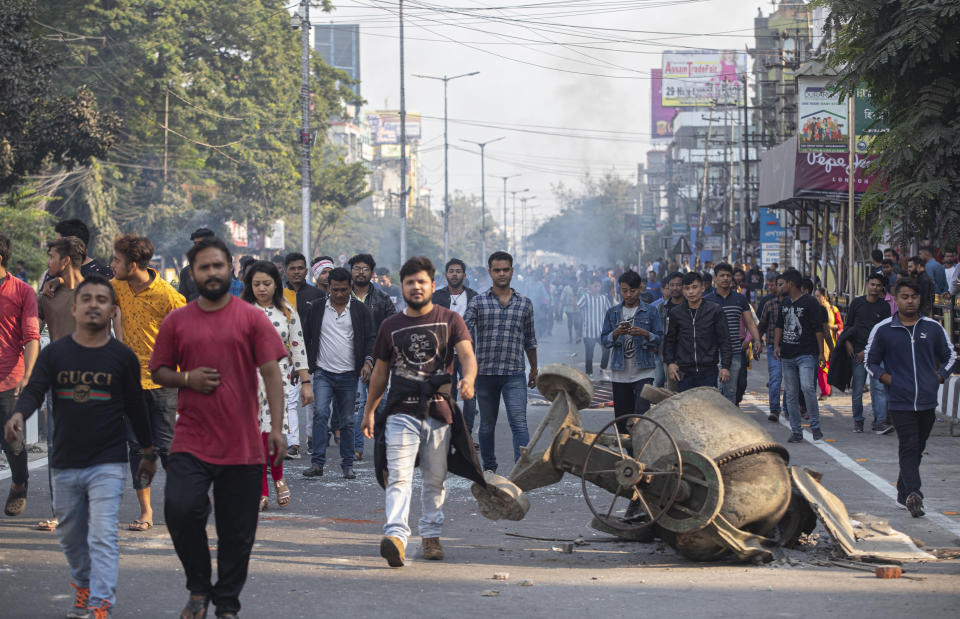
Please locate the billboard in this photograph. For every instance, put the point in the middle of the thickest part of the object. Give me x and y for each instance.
(385, 127)
(661, 118)
(702, 78)
(866, 124)
(770, 234)
(822, 126)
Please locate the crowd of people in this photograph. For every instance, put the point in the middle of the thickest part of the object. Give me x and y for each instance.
(217, 377)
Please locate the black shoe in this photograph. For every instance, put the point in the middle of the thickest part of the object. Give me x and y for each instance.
(314, 471)
(817, 435)
(915, 504)
(310, 445)
(795, 438)
(883, 428)
(293, 452)
(348, 473)
(774, 417)
(858, 427)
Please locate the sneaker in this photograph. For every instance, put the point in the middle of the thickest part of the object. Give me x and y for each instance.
(310, 445)
(314, 471)
(358, 456)
(293, 452)
(102, 611)
(858, 427)
(348, 473)
(80, 601)
(432, 550)
(773, 416)
(915, 504)
(817, 435)
(874, 426)
(883, 428)
(391, 549)
(795, 438)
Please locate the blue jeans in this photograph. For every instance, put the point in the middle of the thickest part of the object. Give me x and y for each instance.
(659, 373)
(341, 390)
(703, 378)
(86, 502)
(513, 388)
(775, 379)
(800, 374)
(729, 388)
(878, 395)
(408, 437)
(469, 407)
(363, 390)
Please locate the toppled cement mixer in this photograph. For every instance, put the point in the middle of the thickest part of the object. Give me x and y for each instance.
(694, 471)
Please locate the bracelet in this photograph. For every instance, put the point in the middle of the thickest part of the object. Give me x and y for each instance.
(186, 379)
(304, 382)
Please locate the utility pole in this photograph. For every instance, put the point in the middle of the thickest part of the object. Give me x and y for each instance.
(305, 137)
(513, 227)
(851, 208)
(523, 223)
(506, 235)
(403, 152)
(730, 225)
(166, 124)
(446, 166)
(701, 215)
(483, 197)
(745, 215)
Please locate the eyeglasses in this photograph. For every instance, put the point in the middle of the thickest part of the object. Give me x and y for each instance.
(359, 269)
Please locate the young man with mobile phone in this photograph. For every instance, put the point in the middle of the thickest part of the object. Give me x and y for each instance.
(96, 384)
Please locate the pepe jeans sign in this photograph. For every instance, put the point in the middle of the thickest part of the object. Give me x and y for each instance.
(826, 172)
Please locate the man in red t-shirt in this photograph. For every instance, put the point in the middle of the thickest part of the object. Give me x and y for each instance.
(416, 348)
(19, 345)
(211, 350)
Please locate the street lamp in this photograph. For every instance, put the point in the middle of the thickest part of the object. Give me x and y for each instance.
(506, 235)
(446, 170)
(513, 226)
(483, 197)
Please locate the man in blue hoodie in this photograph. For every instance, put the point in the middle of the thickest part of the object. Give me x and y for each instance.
(912, 381)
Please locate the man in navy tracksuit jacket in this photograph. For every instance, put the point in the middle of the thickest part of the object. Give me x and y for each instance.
(912, 355)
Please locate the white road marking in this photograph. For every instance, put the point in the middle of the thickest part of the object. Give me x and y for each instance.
(31, 466)
(868, 476)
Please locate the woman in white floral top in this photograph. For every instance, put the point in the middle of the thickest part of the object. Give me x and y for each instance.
(263, 288)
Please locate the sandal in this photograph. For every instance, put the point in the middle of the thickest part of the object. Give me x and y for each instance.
(140, 525)
(16, 502)
(195, 609)
(283, 492)
(264, 503)
(47, 525)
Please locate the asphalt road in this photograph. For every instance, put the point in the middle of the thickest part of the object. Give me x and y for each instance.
(319, 556)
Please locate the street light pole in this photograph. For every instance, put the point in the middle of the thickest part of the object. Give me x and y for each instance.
(506, 235)
(446, 168)
(513, 227)
(403, 151)
(483, 196)
(305, 138)
(523, 223)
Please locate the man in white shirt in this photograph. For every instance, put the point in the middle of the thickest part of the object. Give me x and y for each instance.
(339, 336)
(455, 297)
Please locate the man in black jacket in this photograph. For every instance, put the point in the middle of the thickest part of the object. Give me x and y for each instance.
(381, 307)
(697, 340)
(455, 297)
(339, 336)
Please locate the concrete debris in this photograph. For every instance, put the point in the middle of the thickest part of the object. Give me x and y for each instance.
(489, 593)
(526, 583)
(501, 576)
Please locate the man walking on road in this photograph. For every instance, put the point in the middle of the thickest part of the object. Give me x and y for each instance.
(916, 269)
(145, 299)
(672, 297)
(593, 307)
(862, 316)
(456, 297)
(339, 336)
(19, 345)
(798, 345)
(211, 350)
(698, 341)
(735, 309)
(935, 271)
(96, 383)
(501, 321)
(912, 355)
(770, 312)
(416, 347)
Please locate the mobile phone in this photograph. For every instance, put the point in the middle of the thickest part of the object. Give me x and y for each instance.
(625, 324)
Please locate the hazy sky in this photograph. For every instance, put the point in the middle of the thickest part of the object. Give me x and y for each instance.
(532, 56)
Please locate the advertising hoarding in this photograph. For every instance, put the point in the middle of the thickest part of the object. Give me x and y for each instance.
(385, 127)
(702, 78)
(867, 126)
(661, 118)
(822, 124)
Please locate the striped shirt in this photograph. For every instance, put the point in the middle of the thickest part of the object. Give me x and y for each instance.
(734, 305)
(501, 334)
(593, 309)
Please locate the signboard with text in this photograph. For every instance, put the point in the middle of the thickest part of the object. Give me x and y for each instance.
(661, 118)
(385, 127)
(702, 78)
(822, 124)
(867, 125)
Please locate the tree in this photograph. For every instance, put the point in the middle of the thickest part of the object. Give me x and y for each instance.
(37, 126)
(906, 53)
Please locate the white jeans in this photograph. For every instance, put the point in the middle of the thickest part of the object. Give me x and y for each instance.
(406, 436)
(292, 397)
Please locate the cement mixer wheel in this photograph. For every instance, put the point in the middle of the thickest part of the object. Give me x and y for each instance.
(633, 485)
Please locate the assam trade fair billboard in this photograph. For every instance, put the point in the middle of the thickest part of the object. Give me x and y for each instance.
(702, 78)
